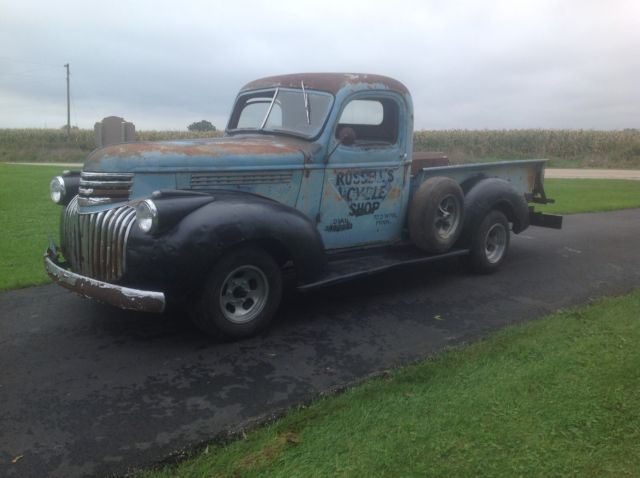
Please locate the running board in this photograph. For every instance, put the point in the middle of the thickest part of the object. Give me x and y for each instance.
(344, 269)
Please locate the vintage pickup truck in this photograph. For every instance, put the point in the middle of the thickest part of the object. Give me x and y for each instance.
(315, 177)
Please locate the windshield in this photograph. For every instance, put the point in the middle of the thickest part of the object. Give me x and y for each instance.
(298, 112)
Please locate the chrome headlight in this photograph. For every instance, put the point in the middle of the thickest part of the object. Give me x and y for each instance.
(147, 216)
(57, 189)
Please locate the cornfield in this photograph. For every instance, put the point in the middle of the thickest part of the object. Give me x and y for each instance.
(565, 148)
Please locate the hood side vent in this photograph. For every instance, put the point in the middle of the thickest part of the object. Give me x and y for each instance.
(250, 178)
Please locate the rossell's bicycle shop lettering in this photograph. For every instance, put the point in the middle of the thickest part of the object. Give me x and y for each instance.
(364, 190)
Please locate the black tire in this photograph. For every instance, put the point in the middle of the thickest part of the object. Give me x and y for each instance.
(241, 295)
(489, 243)
(436, 214)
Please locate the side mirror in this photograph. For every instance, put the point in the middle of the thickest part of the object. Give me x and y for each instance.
(347, 136)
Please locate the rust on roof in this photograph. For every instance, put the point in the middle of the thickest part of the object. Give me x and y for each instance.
(330, 82)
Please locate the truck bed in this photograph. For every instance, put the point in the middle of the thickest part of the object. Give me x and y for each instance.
(525, 175)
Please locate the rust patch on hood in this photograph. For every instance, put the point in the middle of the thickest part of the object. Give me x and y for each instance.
(204, 148)
(218, 147)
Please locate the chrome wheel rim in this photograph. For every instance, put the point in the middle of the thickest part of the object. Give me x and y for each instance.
(447, 217)
(495, 243)
(244, 294)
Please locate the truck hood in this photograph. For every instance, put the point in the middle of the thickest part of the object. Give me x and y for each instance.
(190, 155)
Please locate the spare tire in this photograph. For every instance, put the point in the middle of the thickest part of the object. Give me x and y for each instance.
(436, 214)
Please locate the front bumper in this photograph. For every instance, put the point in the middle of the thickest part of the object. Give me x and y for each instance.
(122, 297)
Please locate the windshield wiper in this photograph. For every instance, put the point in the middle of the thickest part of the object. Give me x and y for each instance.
(306, 103)
(266, 117)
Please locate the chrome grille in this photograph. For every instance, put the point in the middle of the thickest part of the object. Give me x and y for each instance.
(95, 244)
(213, 180)
(104, 188)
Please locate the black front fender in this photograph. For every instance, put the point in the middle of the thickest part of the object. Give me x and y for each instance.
(187, 252)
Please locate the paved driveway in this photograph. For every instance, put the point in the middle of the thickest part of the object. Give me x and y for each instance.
(89, 390)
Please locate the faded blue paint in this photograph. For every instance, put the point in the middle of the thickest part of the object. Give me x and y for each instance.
(145, 184)
(364, 185)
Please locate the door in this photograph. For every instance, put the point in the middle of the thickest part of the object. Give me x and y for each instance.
(364, 181)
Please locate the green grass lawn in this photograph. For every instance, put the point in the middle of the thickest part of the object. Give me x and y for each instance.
(28, 216)
(590, 195)
(554, 397)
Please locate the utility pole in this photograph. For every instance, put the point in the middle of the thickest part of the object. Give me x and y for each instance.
(68, 104)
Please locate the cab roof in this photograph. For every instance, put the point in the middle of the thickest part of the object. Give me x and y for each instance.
(330, 82)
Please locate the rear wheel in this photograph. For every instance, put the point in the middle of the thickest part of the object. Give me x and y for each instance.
(241, 295)
(436, 214)
(490, 243)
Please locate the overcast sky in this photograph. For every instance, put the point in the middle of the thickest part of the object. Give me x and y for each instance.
(469, 64)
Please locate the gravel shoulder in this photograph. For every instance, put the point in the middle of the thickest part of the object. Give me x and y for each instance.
(558, 173)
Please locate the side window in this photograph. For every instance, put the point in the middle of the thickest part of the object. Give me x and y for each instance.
(365, 112)
(374, 120)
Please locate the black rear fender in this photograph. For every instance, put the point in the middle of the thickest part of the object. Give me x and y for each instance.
(494, 193)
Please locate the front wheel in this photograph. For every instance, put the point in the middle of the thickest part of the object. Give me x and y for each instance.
(241, 295)
(489, 243)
